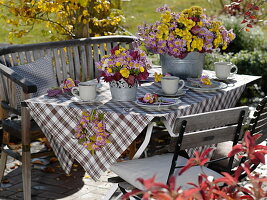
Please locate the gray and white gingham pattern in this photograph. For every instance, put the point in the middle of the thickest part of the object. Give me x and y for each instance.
(58, 116)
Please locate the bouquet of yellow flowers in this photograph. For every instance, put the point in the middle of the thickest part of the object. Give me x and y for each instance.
(177, 34)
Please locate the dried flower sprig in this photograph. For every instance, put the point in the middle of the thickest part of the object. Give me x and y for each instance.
(64, 87)
(99, 138)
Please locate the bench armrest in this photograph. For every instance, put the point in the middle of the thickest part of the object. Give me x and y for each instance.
(27, 86)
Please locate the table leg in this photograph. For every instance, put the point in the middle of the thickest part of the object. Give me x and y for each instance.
(146, 140)
(26, 154)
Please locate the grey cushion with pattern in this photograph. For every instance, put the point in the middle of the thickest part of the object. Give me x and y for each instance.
(40, 73)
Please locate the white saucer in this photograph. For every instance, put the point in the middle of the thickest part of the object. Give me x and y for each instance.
(76, 99)
(180, 93)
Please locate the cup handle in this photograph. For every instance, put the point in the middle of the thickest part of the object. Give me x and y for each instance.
(234, 67)
(73, 91)
(181, 81)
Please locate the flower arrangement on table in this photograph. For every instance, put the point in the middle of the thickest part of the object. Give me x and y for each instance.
(128, 64)
(177, 34)
(100, 137)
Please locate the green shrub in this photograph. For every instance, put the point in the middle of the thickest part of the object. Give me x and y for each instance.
(253, 40)
(251, 63)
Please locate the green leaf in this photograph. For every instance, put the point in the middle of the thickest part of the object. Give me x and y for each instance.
(82, 140)
(100, 116)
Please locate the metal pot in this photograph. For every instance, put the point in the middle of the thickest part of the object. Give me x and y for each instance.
(122, 91)
(189, 67)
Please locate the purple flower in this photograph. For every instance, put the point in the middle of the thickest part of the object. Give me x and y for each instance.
(164, 8)
(54, 92)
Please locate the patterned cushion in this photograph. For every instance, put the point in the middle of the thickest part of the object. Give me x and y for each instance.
(40, 73)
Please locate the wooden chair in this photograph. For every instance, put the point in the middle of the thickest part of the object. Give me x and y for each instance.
(192, 131)
(258, 124)
(73, 58)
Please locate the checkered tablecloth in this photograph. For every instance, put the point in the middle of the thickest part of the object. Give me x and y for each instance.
(58, 116)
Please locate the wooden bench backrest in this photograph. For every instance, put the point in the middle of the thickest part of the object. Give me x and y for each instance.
(72, 58)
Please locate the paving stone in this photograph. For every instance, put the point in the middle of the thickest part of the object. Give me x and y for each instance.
(6, 193)
(18, 195)
(50, 195)
(39, 198)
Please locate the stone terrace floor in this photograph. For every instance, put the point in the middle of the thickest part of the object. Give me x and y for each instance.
(49, 181)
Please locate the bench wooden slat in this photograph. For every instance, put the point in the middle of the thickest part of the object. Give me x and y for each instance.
(102, 50)
(70, 63)
(22, 58)
(83, 63)
(114, 44)
(63, 63)
(4, 89)
(29, 56)
(123, 44)
(42, 53)
(91, 70)
(96, 54)
(57, 65)
(2, 60)
(14, 57)
(36, 54)
(8, 60)
(77, 63)
(108, 48)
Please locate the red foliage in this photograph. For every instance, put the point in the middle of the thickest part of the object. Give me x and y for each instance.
(198, 160)
(248, 9)
(227, 187)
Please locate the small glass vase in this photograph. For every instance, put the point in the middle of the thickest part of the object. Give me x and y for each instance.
(189, 67)
(122, 91)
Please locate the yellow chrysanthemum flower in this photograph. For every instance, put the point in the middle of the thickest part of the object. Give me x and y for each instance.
(109, 70)
(166, 17)
(117, 52)
(125, 72)
(117, 64)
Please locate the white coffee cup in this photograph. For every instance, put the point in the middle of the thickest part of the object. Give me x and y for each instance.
(170, 84)
(86, 90)
(223, 69)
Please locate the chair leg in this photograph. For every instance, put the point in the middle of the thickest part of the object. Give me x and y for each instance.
(26, 154)
(3, 159)
(111, 192)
